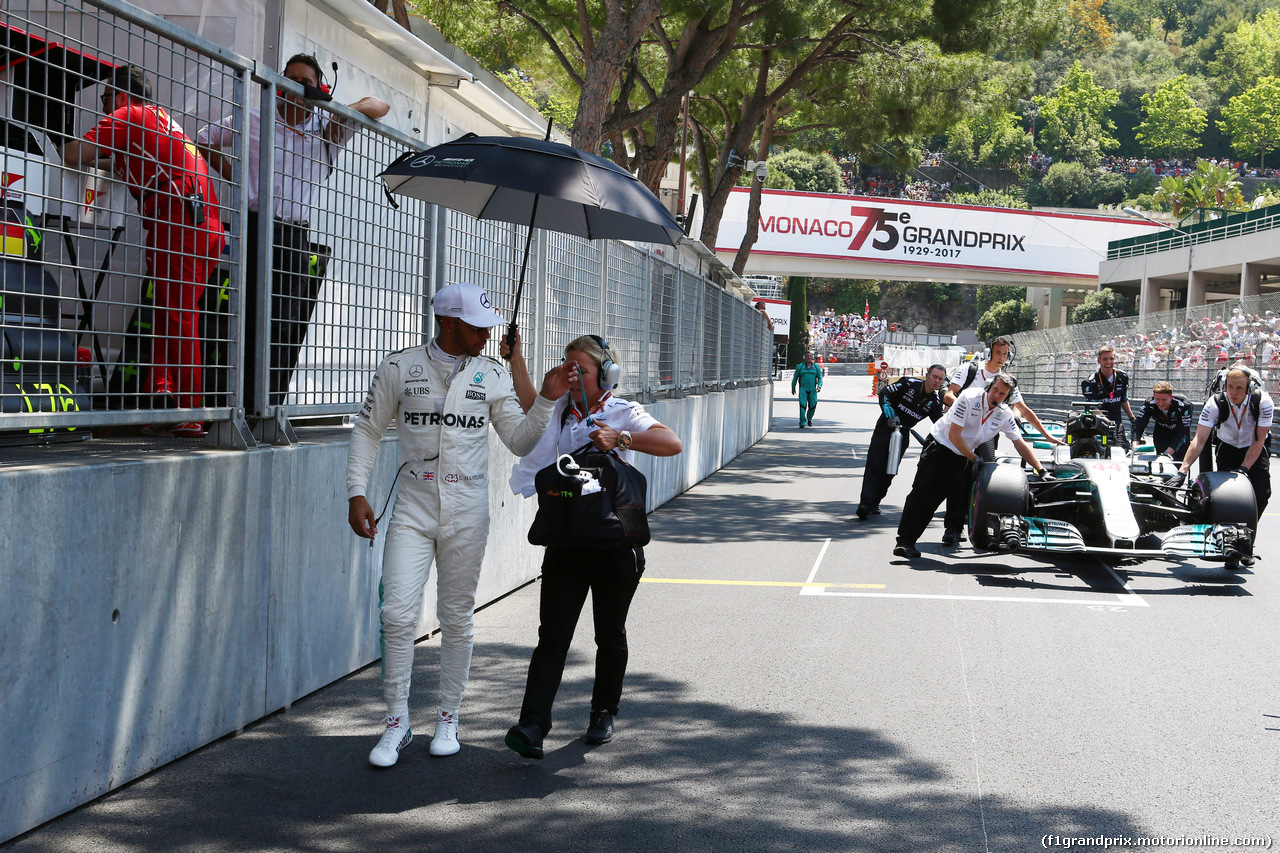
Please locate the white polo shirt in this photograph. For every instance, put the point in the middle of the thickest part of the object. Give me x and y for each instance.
(978, 421)
(304, 159)
(1238, 429)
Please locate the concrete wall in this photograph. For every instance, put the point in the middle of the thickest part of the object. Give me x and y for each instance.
(153, 603)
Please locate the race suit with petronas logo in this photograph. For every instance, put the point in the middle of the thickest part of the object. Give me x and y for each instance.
(443, 408)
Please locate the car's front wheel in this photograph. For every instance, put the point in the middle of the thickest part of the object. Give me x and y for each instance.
(997, 490)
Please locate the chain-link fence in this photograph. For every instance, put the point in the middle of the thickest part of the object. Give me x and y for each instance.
(141, 286)
(1186, 347)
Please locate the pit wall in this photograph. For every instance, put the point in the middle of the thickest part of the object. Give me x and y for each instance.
(155, 602)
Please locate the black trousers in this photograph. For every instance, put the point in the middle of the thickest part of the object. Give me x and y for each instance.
(875, 480)
(1230, 457)
(942, 475)
(1163, 438)
(612, 577)
(292, 302)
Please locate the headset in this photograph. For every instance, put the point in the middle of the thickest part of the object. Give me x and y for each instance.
(994, 379)
(610, 372)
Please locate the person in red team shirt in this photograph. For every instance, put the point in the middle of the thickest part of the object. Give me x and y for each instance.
(184, 235)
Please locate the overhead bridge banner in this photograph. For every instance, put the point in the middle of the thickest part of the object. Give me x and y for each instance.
(897, 231)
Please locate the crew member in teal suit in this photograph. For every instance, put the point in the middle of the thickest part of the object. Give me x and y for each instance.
(809, 375)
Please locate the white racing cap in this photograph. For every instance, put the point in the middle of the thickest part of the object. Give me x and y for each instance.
(468, 303)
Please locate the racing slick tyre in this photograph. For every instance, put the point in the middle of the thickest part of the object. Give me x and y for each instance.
(1224, 497)
(997, 490)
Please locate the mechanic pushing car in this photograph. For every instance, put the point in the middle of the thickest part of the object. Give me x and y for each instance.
(442, 397)
(1243, 421)
(903, 404)
(945, 470)
(1170, 417)
(1109, 388)
(976, 372)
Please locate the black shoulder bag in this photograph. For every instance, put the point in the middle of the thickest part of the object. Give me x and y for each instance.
(590, 499)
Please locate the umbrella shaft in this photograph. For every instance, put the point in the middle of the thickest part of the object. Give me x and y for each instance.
(524, 265)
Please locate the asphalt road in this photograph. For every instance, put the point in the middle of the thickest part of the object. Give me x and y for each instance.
(792, 687)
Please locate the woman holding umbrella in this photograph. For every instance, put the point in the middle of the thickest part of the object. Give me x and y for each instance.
(588, 413)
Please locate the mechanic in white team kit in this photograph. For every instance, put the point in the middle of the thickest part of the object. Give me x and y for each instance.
(442, 397)
(1242, 418)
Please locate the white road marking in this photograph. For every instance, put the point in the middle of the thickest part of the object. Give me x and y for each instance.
(816, 563)
(1128, 597)
(817, 590)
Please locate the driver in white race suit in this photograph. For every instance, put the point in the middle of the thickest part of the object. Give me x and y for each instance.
(442, 397)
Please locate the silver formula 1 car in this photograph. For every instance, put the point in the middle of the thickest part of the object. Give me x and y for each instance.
(1097, 498)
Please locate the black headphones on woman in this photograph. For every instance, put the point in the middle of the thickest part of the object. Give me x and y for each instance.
(610, 372)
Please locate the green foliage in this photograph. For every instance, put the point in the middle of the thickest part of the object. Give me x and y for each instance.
(1143, 183)
(1014, 197)
(850, 296)
(545, 98)
(941, 292)
(1252, 118)
(1006, 318)
(988, 140)
(1173, 122)
(1075, 185)
(1076, 125)
(1247, 55)
(776, 180)
(962, 148)
(1065, 183)
(798, 343)
(815, 173)
(1145, 201)
(1104, 304)
(990, 294)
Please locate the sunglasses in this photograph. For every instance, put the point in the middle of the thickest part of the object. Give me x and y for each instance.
(108, 98)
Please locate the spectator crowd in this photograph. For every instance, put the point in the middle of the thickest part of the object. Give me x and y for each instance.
(844, 334)
(1199, 344)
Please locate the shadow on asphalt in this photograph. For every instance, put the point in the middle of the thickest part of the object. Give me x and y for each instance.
(683, 774)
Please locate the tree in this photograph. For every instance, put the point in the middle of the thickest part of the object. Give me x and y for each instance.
(594, 53)
(1104, 304)
(1252, 119)
(1065, 183)
(1013, 198)
(798, 343)
(994, 140)
(1084, 28)
(990, 294)
(814, 173)
(1247, 55)
(1173, 122)
(544, 98)
(1007, 318)
(1076, 125)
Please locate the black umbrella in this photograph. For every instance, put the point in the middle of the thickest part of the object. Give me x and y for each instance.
(534, 182)
(47, 76)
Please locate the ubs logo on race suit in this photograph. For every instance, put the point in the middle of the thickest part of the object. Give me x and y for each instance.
(917, 238)
(448, 419)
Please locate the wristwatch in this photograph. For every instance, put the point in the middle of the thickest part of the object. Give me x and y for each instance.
(624, 440)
